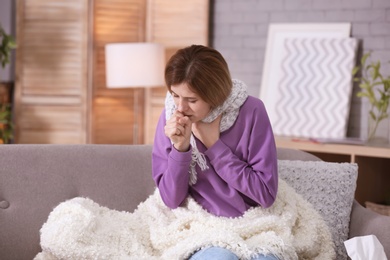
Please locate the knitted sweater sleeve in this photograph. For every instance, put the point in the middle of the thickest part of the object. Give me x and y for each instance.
(170, 168)
(250, 166)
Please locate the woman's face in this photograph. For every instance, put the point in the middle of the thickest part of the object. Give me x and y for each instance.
(189, 103)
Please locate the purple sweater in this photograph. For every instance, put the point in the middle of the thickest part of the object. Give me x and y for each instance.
(242, 166)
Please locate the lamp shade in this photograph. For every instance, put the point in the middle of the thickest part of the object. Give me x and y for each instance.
(134, 65)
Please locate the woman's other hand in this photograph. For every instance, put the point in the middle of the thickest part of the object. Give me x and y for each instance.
(207, 133)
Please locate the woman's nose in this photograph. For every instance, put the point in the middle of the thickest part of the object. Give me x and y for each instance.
(182, 106)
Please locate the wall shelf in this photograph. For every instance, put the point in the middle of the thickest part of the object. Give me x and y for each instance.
(373, 182)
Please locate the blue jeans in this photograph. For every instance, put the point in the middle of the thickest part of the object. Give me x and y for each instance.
(219, 253)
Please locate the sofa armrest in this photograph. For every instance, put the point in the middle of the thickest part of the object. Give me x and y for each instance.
(367, 222)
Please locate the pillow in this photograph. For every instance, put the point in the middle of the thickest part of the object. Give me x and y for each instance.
(330, 188)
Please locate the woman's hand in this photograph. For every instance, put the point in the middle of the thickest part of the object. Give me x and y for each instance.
(178, 129)
(207, 133)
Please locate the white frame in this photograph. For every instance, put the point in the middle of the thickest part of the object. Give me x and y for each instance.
(277, 32)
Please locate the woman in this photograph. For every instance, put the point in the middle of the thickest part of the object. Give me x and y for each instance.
(213, 142)
(214, 163)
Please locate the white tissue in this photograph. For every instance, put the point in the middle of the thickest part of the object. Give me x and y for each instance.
(365, 248)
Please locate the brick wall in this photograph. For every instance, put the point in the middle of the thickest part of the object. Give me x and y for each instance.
(239, 32)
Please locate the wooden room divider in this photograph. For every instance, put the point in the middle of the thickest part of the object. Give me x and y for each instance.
(60, 90)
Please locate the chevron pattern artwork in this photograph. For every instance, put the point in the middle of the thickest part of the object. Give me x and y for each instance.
(315, 87)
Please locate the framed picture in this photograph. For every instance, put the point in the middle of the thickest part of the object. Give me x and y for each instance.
(307, 81)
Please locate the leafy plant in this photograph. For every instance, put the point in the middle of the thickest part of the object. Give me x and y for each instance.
(375, 87)
(6, 127)
(7, 43)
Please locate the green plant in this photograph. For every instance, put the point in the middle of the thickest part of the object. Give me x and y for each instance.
(7, 43)
(375, 87)
(6, 127)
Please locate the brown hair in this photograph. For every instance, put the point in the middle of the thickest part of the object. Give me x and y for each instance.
(204, 70)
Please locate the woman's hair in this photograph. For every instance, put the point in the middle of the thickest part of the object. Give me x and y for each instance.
(204, 70)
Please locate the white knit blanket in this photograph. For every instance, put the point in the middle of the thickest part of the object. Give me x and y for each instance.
(81, 229)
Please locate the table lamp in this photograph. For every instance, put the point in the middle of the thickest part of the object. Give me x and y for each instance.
(134, 65)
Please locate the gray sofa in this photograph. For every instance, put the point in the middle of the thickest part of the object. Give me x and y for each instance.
(36, 178)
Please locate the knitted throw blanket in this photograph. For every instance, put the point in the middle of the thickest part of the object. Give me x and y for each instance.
(81, 229)
(229, 111)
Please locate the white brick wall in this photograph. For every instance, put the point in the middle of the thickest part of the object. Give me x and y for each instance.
(240, 34)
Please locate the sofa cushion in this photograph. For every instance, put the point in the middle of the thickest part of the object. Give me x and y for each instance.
(330, 187)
